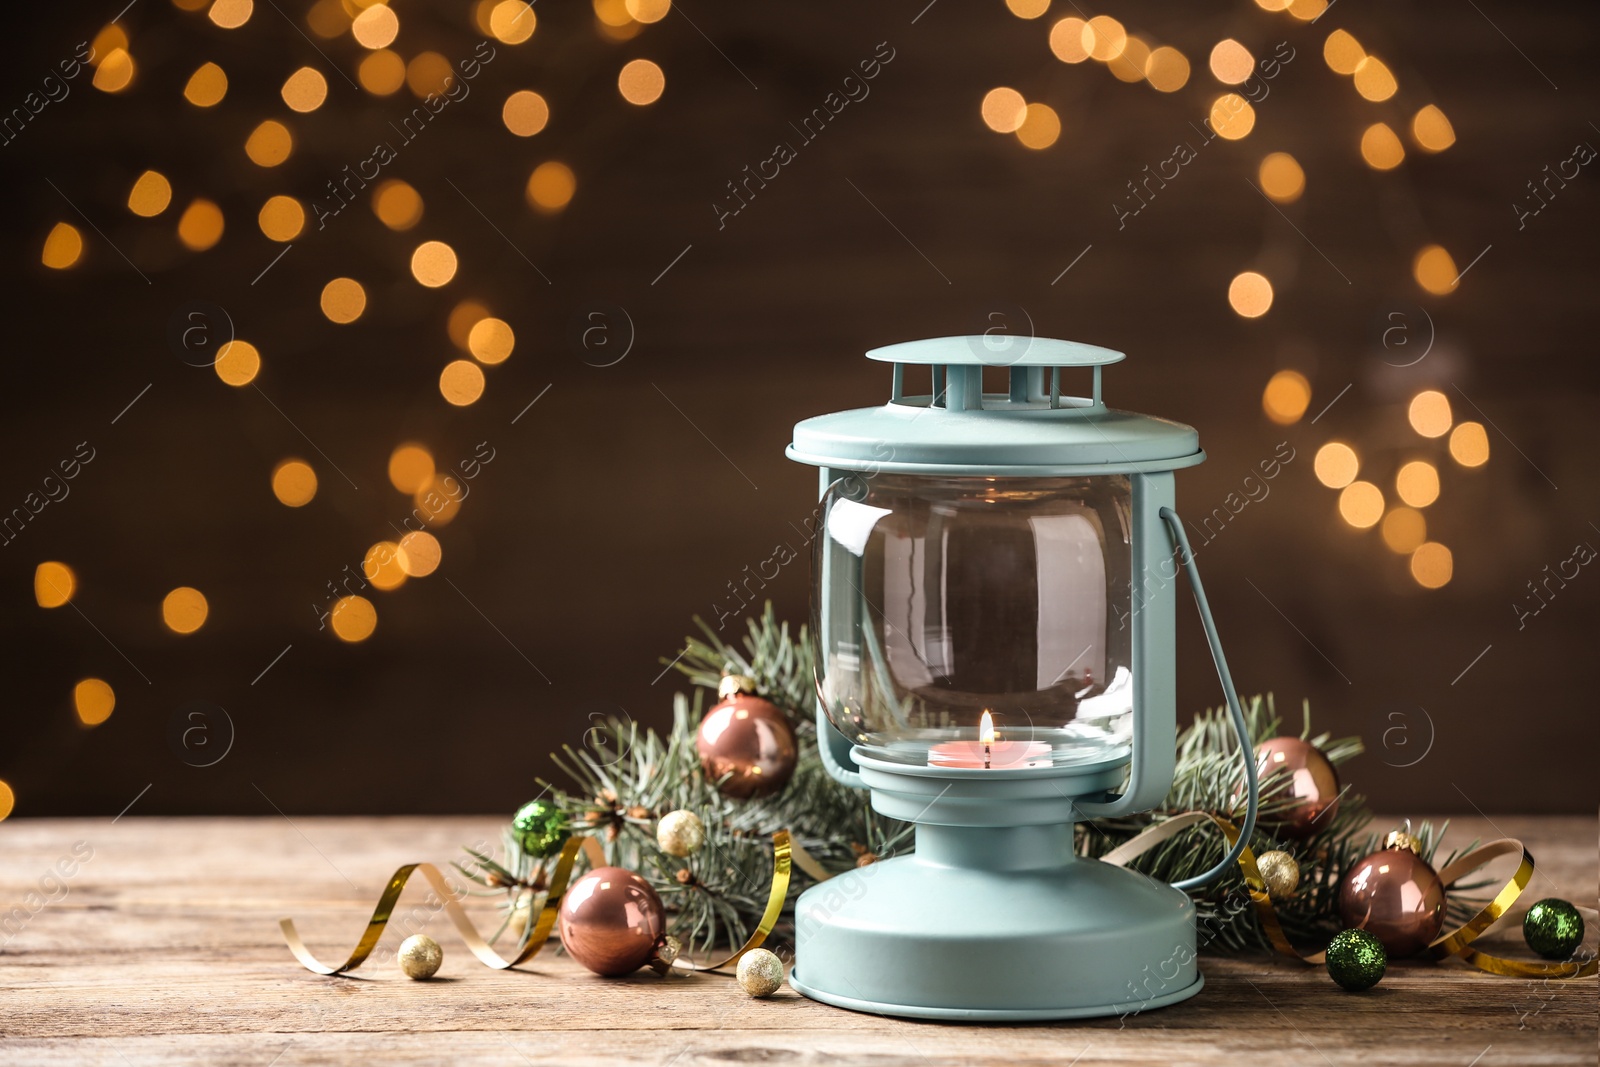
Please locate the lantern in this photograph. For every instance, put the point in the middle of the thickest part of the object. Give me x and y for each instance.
(993, 610)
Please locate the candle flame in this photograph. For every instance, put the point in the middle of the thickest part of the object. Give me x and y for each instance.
(986, 729)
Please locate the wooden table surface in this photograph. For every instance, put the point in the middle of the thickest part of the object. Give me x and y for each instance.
(163, 947)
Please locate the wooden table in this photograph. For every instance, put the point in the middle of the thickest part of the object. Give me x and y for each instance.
(163, 947)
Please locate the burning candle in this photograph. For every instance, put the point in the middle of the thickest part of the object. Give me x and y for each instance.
(988, 751)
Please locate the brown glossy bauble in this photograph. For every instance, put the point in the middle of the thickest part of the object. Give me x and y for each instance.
(611, 920)
(751, 738)
(1396, 897)
(1313, 786)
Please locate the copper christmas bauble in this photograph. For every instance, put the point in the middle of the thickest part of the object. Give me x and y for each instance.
(751, 738)
(1394, 895)
(1312, 792)
(610, 921)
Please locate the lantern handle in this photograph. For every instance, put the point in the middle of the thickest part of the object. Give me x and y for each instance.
(1246, 749)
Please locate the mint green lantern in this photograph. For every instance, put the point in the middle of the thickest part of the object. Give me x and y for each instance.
(994, 602)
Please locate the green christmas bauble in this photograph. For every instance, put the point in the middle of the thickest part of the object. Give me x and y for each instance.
(1553, 928)
(1356, 959)
(540, 828)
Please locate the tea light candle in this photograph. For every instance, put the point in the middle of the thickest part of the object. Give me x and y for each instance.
(987, 752)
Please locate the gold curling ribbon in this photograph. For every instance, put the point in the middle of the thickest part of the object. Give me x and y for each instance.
(381, 915)
(1456, 942)
(783, 850)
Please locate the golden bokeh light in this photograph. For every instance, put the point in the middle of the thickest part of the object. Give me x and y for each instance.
(1232, 117)
(1273, 5)
(613, 16)
(463, 317)
(1361, 504)
(1130, 62)
(1417, 483)
(1104, 37)
(1432, 565)
(433, 264)
(231, 14)
(353, 618)
(1069, 42)
(382, 72)
(1286, 397)
(648, 11)
(8, 800)
(93, 700)
(1167, 69)
(1307, 10)
(1435, 270)
(1231, 62)
(641, 82)
(1336, 465)
(397, 205)
(1404, 529)
(305, 89)
(420, 553)
(461, 382)
(1429, 413)
(237, 363)
(200, 226)
(343, 300)
(490, 340)
(53, 584)
(1023, 9)
(382, 566)
(1432, 130)
(184, 610)
(110, 37)
(63, 246)
(1469, 444)
(550, 186)
(282, 218)
(1250, 294)
(269, 144)
(207, 86)
(428, 72)
(294, 483)
(114, 73)
(1381, 148)
(512, 21)
(1040, 126)
(1342, 52)
(435, 502)
(150, 195)
(376, 27)
(1374, 80)
(1281, 177)
(525, 113)
(410, 468)
(328, 19)
(1004, 110)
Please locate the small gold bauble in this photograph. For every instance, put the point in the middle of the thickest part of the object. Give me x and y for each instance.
(420, 956)
(680, 833)
(1280, 872)
(760, 973)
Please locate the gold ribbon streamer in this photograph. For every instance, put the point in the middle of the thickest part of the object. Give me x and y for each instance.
(381, 915)
(782, 866)
(1456, 942)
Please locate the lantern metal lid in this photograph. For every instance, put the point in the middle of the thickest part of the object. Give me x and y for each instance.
(1032, 429)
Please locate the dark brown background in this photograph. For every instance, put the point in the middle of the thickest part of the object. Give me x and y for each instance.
(608, 519)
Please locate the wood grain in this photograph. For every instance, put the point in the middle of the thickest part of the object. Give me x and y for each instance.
(163, 948)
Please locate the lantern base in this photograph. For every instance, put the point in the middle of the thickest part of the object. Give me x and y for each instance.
(995, 1015)
(920, 939)
(993, 917)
